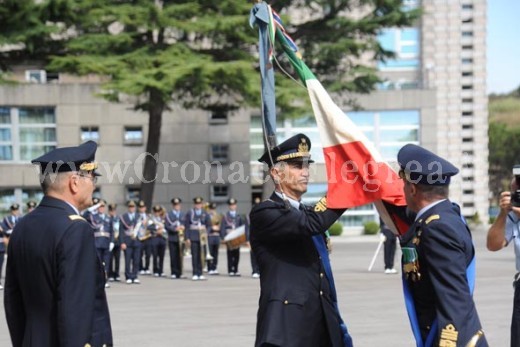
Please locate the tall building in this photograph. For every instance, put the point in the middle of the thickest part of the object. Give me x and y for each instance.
(433, 94)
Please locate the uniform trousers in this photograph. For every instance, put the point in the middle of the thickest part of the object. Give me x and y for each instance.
(146, 254)
(213, 251)
(175, 257)
(196, 261)
(132, 257)
(233, 257)
(115, 260)
(158, 250)
(254, 263)
(104, 257)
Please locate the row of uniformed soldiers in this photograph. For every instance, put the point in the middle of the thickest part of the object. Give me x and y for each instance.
(142, 236)
(6, 227)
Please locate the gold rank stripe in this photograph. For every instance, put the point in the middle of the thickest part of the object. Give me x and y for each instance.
(76, 217)
(432, 218)
(321, 205)
(293, 155)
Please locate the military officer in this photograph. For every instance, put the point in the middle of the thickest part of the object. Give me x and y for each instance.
(174, 224)
(297, 306)
(214, 238)
(158, 239)
(146, 244)
(31, 205)
(6, 228)
(438, 254)
(104, 238)
(10, 221)
(230, 221)
(130, 245)
(54, 290)
(115, 254)
(197, 224)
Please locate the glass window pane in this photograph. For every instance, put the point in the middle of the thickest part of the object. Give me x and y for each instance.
(256, 138)
(28, 194)
(256, 153)
(89, 134)
(387, 39)
(31, 151)
(37, 134)
(6, 152)
(410, 34)
(361, 118)
(399, 118)
(390, 152)
(356, 221)
(317, 154)
(5, 115)
(32, 115)
(133, 135)
(304, 121)
(409, 135)
(410, 49)
(5, 134)
(395, 64)
(256, 122)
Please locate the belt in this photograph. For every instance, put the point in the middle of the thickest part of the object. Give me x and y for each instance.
(101, 234)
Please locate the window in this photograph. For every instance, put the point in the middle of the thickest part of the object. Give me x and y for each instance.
(467, 87)
(36, 76)
(405, 44)
(219, 152)
(467, 100)
(468, 179)
(467, 34)
(468, 204)
(133, 135)
(468, 191)
(132, 193)
(468, 166)
(467, 6)
(467, 114)
(467, 47)
(467, 139)
(219, 192)
(89, 134)
(467, 20)
(466, 61)
(467, 74)
(467, 126)
(219, 116)
(26, 132)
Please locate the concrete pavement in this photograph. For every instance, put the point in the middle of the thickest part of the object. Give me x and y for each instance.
(222, 310)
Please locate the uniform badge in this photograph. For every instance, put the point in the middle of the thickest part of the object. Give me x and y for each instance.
(321, 205)
(449, 336)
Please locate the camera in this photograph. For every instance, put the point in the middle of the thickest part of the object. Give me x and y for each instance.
(515, 195)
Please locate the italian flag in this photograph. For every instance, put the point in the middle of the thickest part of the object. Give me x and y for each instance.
(356, 172)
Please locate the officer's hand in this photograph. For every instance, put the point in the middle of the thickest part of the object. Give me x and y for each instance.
(123, 246)
(505, 201)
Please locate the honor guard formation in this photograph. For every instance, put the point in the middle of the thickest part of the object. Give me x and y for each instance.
(71, 244)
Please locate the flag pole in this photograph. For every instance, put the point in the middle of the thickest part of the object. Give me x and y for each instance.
(382, 239)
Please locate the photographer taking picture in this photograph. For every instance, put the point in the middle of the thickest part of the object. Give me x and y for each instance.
(505, 229)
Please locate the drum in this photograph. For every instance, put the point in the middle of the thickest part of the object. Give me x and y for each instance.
(236, 237)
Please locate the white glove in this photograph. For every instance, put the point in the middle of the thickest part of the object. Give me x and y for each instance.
(111, 247)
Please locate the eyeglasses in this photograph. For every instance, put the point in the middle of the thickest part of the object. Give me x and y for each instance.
(92, 178)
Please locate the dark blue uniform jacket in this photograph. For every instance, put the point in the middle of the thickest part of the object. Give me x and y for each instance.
(54, 288)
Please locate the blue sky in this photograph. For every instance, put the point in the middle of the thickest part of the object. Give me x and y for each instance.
(503, 46)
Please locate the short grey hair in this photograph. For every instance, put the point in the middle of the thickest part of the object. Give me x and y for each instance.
(53, 181)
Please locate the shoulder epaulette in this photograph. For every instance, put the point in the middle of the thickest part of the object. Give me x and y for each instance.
(432, 218)
(76, 217)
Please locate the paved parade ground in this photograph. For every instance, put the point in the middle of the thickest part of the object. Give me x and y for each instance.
(222, 310)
